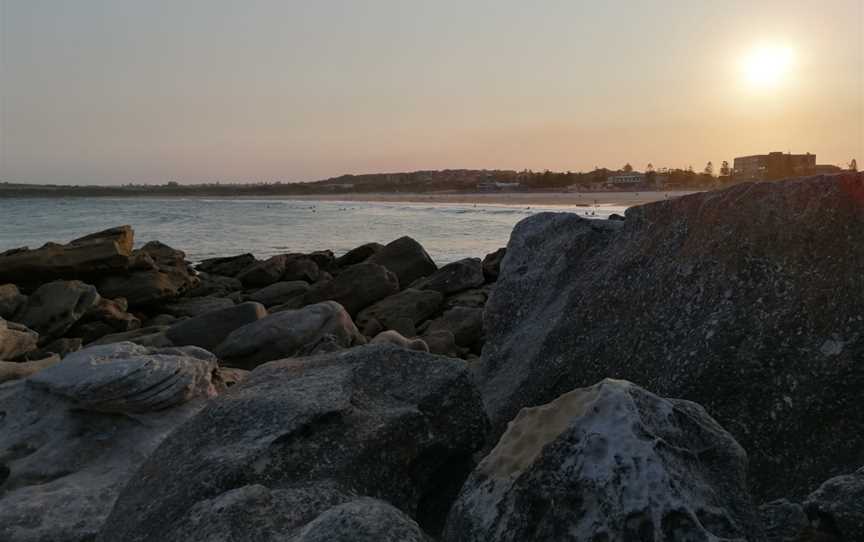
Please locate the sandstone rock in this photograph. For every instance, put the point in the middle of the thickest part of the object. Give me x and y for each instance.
(411, 305)
(359, 254)
(214, 285)
(783, 521)
(106, 317)
(289, 333)
(126, 377)
(211, 328)
(87, 257)
(837, 507)
(13, 370)
(406, 258)
(62, 467)
(280, 292)
(16, 340)
(355, 288)
(392, 337)
(196, 306)
(492, 264)
(11, 300)
(306, 435)
(55, 307)
(608, 462)
(230, 266)
(263, 273)
(158, 273)
(465, 323)
(454, 277)
(727, 298)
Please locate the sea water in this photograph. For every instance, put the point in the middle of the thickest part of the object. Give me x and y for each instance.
(206, 228)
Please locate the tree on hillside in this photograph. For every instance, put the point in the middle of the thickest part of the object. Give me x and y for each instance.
(709, 169)
(627, 168)
(649, 168)
(725, 170)
(853, 165)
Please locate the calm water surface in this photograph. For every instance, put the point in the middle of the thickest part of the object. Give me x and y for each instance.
(205, 228)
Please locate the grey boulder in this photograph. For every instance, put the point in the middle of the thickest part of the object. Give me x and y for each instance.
(211, 328)
(608, 462)
(837, 507)
(11, 300)
(263, 273)
(229, 266)
(196, 306)
(359, 254)
(465, 323)
(492, 264)
(402, 311)
(16, 340)
(783, 521)
(454, 277)
(56, 306)
(355, 288)
(406, 258)
(280, 292)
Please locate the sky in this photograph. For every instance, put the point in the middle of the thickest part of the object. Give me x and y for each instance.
(111, 92)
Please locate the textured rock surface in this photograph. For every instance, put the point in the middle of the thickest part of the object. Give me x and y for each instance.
(376, 421)
(55, 307)
(13, 370)
(289, 333)
(92, 255)
(837, 507)
(11, 300)
(363, 520)
(210, 329)
(783, 521)
(727, 298)
(126, 377)
(280, 292)
(465, 323)
(63, 466)
(608, 462)
(263, 273)
(359, 254)
(492, 264)
(145, 336)
(402, 311)
(454, 277)
(158, 273)
(229, 266)
(406, 258)
(393, 337)
(355, 288)
(16, 340)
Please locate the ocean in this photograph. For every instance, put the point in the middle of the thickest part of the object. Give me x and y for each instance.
(206, 228)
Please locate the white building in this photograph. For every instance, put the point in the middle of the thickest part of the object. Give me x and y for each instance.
(626, 179)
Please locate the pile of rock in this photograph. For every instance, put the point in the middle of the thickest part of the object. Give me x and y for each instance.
(305, 397)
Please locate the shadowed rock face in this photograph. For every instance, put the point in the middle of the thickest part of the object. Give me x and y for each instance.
(837, 507)
(376, 421)
(747, 300)
(609, 462)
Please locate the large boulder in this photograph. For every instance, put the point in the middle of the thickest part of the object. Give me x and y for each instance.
(356, 287)
(315, 328)
(263, 273)
(728, 298)
(229, 266)
(16, 340)
(61, 464)
(402, 311)
(837, 507)
(280, 292)
(13, 370)
(359, 254)
(106, 317)
(209, 329)
(454, 277)
(608, 462)
(299, 267)
(783, 521)
(465, 323)
(214, 285)
(406, 258)
(56, 306)
(157, 273)
(11, 300)
(492, 264)
(301, 436)
(195, 306)
(90, 256)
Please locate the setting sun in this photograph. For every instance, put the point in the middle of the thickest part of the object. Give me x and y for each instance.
(767, 66)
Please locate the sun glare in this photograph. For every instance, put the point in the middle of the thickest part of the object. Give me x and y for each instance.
(768, 66)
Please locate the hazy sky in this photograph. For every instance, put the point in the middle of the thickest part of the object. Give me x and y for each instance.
(117, 91)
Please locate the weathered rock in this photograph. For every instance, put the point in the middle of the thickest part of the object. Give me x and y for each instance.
(280, 292)
(355, 288)
(783, 521)
(161, 320)
(62, 467)
(442, 342)
(727, 298)
(492, 264)
(214, 285)
(393, 337)
(106, 317)
(87, 257)
(211, 328)
(465, 323)
(475, 298)
(289, 333)
(324, 259)
(126, 377)
(157, 274)
(61, 347)
(230, 266)
(359, 254)
(608, 462)
(55, 307)
(196, 306)
(411, 306)
(154, 336)
(13, 370)
(263, 273)
(16, 340)
(454, 277)
(837, 507)
(406, 258)
(11, 300)
(376, 421)
(363, 520)
(299, 267)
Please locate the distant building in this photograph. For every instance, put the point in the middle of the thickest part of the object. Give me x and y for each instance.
(495, 186)
(621, 180)
(774, 165)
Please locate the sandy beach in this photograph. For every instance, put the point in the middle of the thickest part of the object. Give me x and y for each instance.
(578, 199)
